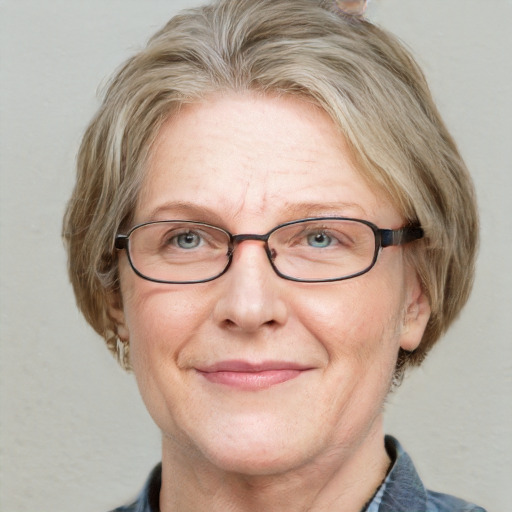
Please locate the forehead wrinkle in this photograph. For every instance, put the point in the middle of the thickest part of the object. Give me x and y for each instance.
(237, 204)
(248, 201)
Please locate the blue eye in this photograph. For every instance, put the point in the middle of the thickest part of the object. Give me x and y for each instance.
(188, 240)
(319, 240)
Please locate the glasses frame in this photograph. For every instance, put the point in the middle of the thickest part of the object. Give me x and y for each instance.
(383, 238)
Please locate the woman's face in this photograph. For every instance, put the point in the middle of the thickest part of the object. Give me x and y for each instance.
(250, 372)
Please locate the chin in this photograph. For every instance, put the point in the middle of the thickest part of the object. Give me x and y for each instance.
(256, 446)
(257, 459)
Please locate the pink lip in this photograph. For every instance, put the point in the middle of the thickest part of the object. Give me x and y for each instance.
(251, 376)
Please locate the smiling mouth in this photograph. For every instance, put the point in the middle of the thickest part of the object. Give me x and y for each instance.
(246, 376)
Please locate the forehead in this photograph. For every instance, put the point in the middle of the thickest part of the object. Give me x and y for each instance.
(242, 156)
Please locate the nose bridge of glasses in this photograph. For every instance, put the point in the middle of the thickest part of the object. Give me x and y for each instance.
(237, 239)
(242, 238)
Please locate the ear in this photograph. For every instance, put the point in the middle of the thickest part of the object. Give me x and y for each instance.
(416, 315)
(116, 313)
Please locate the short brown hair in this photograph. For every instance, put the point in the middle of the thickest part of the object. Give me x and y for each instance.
(358, 73)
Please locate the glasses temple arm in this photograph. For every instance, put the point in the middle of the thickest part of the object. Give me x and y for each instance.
(400, 236)
(121, 242)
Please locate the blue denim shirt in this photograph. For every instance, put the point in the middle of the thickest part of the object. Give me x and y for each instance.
(401, 491)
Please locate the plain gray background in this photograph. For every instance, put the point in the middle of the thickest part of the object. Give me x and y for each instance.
(73, 433)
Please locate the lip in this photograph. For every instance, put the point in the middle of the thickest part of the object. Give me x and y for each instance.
(250, 376)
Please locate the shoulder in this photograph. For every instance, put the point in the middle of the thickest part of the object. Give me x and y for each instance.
(137, 506)
(126, 508)
(438, 502)
(149, 497)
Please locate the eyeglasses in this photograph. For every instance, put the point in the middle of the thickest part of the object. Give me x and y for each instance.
(307, 250)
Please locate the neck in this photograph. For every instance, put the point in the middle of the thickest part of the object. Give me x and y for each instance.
(342, 479)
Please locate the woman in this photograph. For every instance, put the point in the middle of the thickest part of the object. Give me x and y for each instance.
(270, 224)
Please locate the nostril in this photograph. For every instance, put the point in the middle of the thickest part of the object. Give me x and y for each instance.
(231, 325)
(228, 324)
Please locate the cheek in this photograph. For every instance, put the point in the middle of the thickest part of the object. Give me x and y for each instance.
(160, 319)
(357, 319)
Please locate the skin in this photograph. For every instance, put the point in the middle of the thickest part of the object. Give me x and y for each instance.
(315, 442)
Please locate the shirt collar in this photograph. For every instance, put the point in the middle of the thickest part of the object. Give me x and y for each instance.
(402, 490)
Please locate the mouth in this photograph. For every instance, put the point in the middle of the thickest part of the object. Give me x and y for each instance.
(248, 376)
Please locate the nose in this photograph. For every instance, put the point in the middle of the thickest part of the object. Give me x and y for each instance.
(252, 296)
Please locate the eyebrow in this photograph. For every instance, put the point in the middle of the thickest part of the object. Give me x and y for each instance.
(329, 209)
(288, 211)
(190, 211)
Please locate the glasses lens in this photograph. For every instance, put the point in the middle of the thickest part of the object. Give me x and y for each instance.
(355, 7)
(319, 250)
(178, 252)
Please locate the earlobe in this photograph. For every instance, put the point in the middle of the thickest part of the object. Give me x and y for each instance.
(116, 313)
(416, 316)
